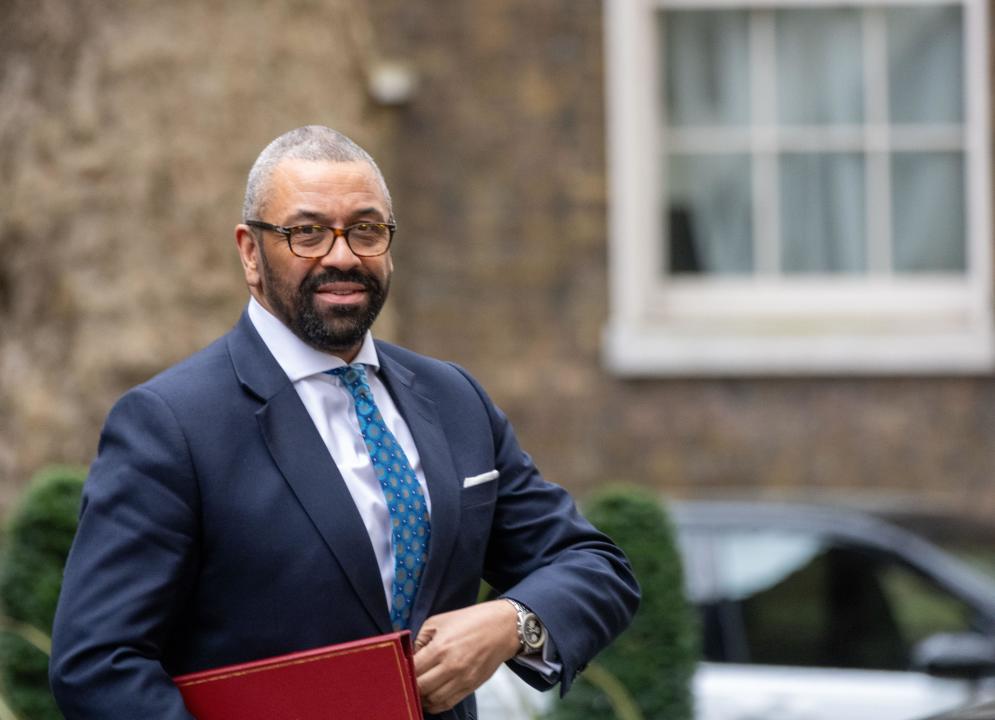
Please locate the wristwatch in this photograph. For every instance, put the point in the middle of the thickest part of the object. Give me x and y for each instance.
(531, 633)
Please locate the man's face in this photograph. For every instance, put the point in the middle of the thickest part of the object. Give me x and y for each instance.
(328, 302)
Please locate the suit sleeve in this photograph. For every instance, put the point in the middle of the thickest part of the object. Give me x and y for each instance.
(130, 570)
(545, 554)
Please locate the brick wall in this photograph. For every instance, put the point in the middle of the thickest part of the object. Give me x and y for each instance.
(501, 265)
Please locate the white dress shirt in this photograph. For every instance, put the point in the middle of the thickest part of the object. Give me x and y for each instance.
(330, 405)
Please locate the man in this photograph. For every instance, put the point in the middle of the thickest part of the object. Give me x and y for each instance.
(297, 484)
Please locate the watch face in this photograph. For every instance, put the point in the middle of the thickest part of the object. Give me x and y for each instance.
(532, 631)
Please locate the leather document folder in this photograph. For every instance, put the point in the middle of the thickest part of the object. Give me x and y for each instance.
(369, 679)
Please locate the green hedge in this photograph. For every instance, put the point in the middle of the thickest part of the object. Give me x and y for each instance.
(654, 660)
(37, 540)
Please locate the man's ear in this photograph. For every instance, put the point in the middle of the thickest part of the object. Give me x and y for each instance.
(248, 253)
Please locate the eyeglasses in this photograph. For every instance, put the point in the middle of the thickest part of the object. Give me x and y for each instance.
(365, 239)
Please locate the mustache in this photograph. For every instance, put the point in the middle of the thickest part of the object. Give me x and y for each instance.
(328, 275)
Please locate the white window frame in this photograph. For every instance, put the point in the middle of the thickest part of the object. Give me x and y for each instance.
(661, 325)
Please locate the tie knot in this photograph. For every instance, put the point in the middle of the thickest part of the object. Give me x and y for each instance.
(348, 372)
(353, 377)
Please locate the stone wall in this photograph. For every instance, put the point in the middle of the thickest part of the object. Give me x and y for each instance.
(126, 130)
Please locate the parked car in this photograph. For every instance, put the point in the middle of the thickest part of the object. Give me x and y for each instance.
(815, 613)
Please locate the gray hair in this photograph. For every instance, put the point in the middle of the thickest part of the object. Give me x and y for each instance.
(311, 142)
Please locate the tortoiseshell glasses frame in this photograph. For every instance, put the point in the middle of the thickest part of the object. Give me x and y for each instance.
(365, 239)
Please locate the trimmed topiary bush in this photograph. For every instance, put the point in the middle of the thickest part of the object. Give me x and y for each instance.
(648, 670)
(37, 540)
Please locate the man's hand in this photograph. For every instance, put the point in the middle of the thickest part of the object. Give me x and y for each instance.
(456, 652)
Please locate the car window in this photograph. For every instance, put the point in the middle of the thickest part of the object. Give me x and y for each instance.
(921, 607)
(796, 598)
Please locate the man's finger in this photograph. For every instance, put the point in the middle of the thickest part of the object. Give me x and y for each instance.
(425, 658)
(445, 696)
(420, 643)
(431, 682)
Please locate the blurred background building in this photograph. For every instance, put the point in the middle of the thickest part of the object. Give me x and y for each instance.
(705, 246)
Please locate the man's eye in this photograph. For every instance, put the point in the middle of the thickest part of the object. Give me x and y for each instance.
(308, 234)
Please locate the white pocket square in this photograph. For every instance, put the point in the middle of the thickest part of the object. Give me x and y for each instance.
(480, 479)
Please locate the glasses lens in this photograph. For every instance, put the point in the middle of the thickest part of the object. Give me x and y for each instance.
(309, 240)
(368, 238)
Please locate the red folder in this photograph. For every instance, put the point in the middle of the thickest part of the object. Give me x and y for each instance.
(370, 679)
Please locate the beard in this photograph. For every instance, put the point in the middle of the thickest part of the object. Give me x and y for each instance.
(333, 329)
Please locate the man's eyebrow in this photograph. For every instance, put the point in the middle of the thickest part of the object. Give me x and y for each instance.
(368, 211)
(306, 216)
(317, 218)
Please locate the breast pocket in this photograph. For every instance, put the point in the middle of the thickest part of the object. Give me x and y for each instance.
(479, 489)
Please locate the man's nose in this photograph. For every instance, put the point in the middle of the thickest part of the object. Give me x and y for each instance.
(340, 255)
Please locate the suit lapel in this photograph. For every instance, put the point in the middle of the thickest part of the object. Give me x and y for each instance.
(422, 417)
(303, 459)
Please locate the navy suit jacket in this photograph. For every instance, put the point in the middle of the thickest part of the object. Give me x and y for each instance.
(215, 528)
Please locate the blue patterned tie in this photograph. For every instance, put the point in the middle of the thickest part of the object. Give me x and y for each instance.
(405, 501)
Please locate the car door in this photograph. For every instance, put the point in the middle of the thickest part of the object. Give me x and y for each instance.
(800, 625)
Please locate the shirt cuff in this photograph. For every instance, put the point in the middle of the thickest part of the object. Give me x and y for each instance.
(547, 665)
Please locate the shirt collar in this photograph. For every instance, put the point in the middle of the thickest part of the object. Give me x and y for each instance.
(298, 359)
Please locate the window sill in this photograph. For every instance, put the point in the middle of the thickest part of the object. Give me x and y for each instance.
(701, 349)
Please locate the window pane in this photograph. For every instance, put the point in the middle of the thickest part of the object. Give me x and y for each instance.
(928, 212)
(819, 64)
(822, 213)
(709, 215)
(926, 64)
(706, 67)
